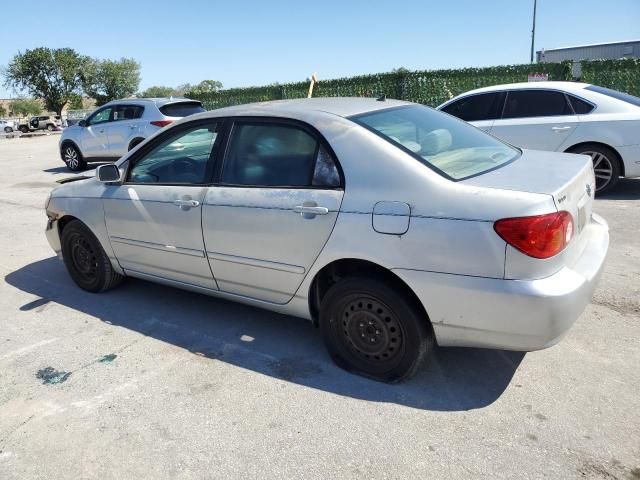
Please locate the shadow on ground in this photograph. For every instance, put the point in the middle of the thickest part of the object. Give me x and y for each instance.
(626, 189)
(64, 169)
(276, 345)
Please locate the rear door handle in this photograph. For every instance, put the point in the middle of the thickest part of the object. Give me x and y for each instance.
(186, 204)
(560, 129)
(310, 211)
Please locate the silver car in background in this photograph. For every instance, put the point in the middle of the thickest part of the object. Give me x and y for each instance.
(390, 225)
(118, 126)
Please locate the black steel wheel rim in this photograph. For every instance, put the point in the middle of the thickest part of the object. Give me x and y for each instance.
(371, 332)
(84, 258)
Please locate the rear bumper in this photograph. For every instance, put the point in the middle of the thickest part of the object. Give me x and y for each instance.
(511, 314)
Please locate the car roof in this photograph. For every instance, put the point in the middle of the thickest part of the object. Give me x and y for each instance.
(160, 101)
(341, 106)
(553, 85)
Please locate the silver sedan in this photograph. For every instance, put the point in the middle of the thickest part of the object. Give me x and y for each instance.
(389, 225)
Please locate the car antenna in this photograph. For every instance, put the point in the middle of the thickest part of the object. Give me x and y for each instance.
(381, 98)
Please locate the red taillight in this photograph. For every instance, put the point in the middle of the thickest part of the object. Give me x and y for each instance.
(161, 123)
(540, 236)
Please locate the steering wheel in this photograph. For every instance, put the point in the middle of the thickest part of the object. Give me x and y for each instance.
(185, 166)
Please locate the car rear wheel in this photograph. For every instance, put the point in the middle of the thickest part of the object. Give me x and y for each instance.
(374, 330)
(86, 260)
(606, 166)
(50, 127)
(73, 158)
(135, 142)
(8, 129)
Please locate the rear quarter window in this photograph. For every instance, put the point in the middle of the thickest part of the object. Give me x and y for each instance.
(181, 109)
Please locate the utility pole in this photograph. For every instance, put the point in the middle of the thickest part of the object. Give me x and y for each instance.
(533, 29)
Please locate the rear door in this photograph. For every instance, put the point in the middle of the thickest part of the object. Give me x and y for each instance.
(536, 119)
(273, 209)
(479, 109)
(154, 217)
(124, 127)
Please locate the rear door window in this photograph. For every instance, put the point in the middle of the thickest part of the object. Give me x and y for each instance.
(127, 112)
(580, 106)
(274, 155)
(484, 106)
(181, 109)
(535, 103)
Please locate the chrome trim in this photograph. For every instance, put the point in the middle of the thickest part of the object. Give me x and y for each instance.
(254, 262)
(158, 246)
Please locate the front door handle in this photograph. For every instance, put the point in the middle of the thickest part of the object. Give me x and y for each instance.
(560, 129)
(186, 204)
(310, 209)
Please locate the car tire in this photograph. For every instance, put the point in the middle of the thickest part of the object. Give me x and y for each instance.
(85, 259)
(374, 330)
(50, 127)
(8, 129)
(135, 142)
(23, 129)
(606, 164)
(73, 158)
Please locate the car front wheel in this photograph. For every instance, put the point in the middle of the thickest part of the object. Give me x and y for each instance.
(73, 158)
(374, 330)
(85, 259)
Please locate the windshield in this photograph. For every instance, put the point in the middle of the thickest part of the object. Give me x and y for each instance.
(447, 145)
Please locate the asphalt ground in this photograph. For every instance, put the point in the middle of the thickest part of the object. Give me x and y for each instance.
(147, 381)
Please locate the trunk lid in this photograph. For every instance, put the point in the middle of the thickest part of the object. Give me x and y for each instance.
(567, 177)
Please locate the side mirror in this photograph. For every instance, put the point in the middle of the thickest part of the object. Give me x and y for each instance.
(108, 173)
(82, 123)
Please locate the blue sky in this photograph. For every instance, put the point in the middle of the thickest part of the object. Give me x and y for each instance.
(243, 43)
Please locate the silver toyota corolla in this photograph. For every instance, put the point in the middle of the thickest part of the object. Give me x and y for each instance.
(390, 225)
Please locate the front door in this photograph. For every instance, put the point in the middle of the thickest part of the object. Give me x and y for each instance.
(273, 211)
(94, 140)
(536, 119)
(154, 217)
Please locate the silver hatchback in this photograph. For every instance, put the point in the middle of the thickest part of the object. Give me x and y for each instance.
(118, 126)
(390, 225)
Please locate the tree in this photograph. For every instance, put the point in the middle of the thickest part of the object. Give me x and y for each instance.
(157, 91)
(76, 102)
(25, 107)
(3, 111)
(107, 80)
(52, 75)
(205, 86)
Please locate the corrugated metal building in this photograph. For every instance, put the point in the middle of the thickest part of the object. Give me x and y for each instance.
(598, 51)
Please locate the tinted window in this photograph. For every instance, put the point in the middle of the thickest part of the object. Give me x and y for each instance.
(475, 107)
(181, 158)
(625, 97)
(450, 147)
(100, 116)
(580, 106)
(181, 109)
(277, 155)
(535, 103)
(127, 112)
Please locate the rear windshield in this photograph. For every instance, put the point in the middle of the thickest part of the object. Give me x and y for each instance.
(625, 97)
(451, 147)
(181, 109)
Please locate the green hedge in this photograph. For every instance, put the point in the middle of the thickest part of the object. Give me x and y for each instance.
(622, 74)
(432, 87)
